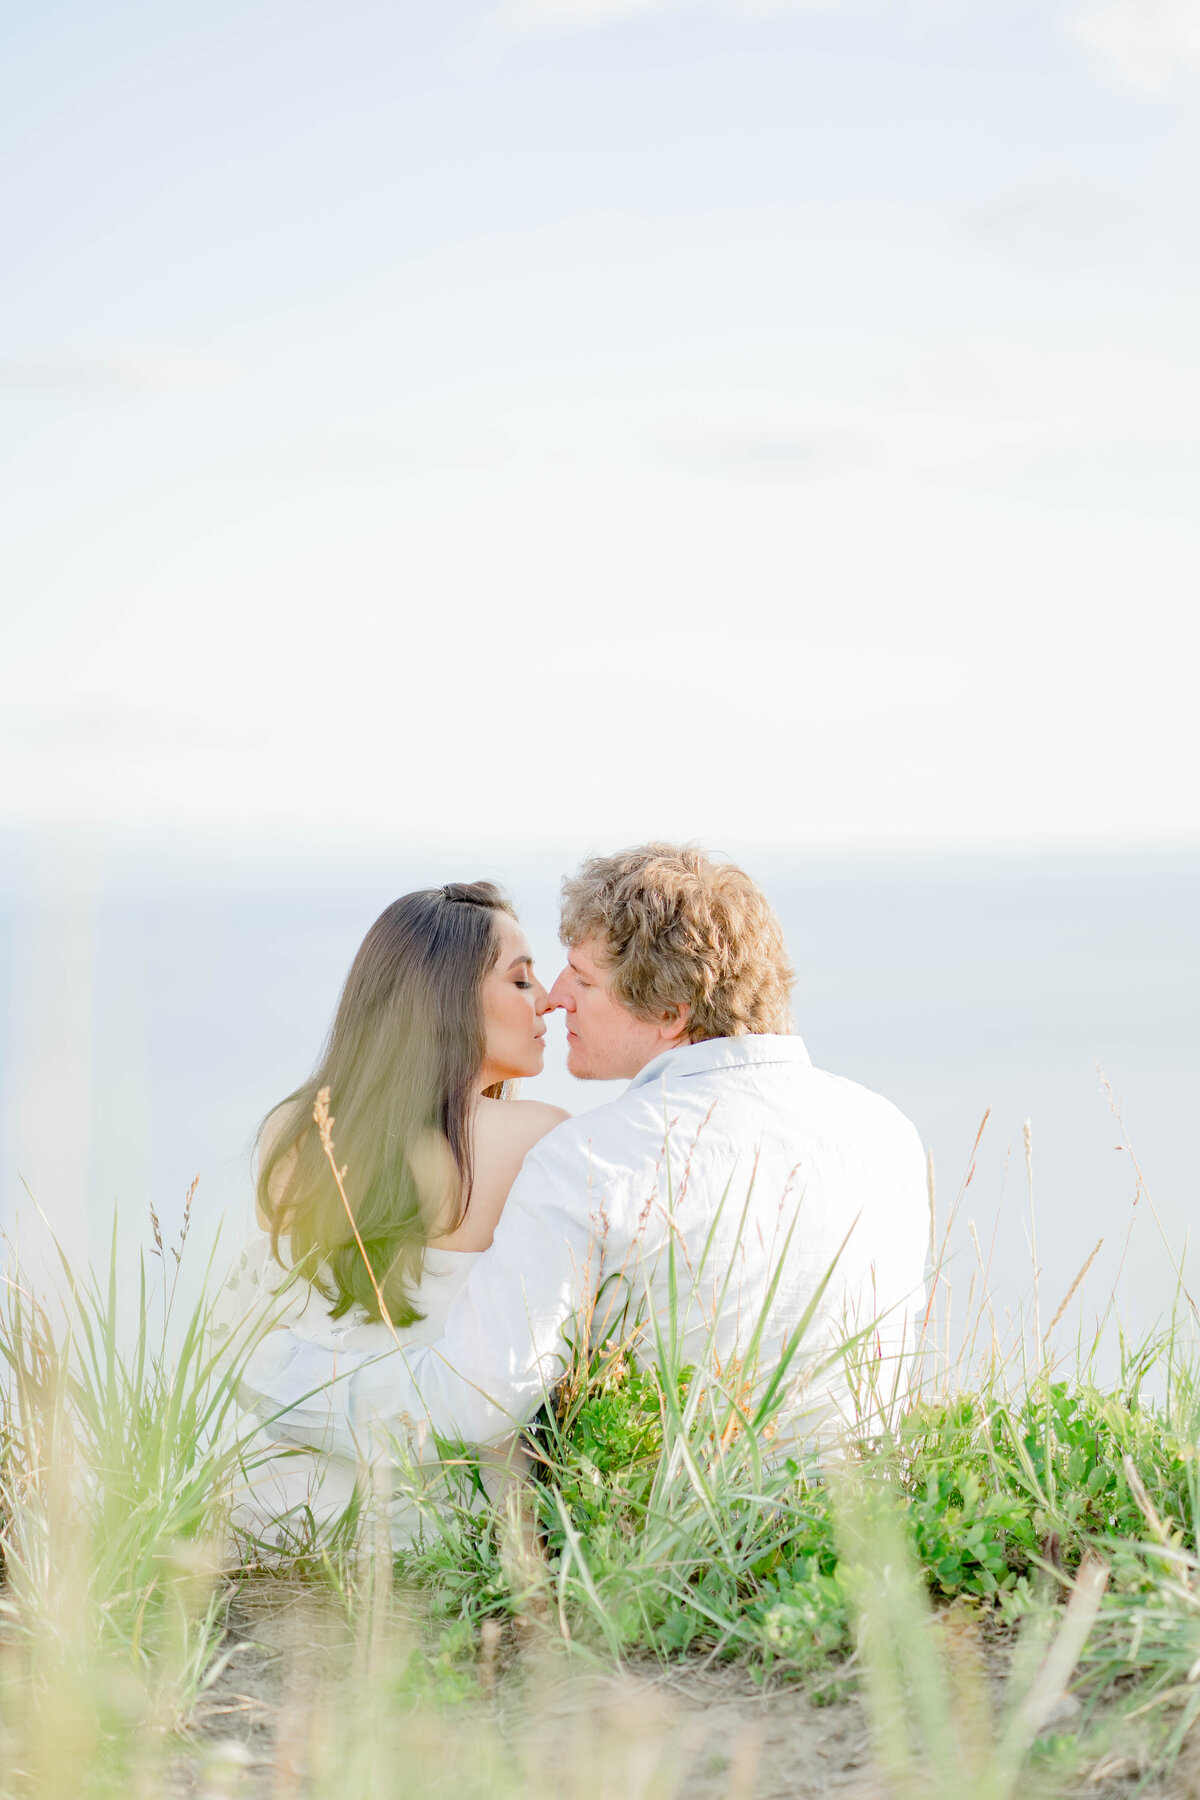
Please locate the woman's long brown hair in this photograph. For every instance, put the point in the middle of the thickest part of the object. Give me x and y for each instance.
(403, 1057)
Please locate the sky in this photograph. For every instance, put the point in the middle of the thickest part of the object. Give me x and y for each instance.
(567, 421)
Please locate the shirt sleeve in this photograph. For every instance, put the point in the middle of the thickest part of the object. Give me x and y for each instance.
(504, 1347)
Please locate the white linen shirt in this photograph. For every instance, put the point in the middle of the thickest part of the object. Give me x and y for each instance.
(738, 1153)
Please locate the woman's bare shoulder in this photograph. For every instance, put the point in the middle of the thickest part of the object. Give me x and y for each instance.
(517, 1122)
(505, 1131)
(542, 1116)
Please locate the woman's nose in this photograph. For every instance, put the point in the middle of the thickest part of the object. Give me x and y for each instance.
(541, 999)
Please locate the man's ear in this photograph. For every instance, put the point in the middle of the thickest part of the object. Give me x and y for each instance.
(674, 1025)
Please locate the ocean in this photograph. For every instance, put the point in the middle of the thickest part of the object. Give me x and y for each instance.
(156, 1012)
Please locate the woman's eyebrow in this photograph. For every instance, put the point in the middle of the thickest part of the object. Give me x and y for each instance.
(516, 963)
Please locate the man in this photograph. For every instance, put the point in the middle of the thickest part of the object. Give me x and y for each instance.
(731, 1190)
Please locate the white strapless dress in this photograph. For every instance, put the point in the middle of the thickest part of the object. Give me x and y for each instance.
(286, 1497)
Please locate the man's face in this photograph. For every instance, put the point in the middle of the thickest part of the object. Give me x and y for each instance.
(605, 1041)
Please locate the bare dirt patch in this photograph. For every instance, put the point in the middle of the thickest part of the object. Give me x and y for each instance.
(548, 1723)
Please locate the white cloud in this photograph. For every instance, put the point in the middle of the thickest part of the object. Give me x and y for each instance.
(825, 438)
(580, 15)
(1145, 42)
(145, 368)
(1062, 225)
(569, 15)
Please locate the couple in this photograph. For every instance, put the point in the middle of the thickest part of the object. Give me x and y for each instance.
(445, 1241)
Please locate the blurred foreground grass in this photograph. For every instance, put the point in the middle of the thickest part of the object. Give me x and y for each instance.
(994, 1586)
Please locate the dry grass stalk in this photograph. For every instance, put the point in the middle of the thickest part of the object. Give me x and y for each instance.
(1052, 1679)
(325, 1122)
(1137, 1488)
(939, 1252)
(1072, 1291)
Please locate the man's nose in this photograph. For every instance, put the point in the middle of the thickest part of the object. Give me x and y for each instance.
(560, 995)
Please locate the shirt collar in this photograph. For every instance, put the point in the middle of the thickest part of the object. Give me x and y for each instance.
(724, 1053)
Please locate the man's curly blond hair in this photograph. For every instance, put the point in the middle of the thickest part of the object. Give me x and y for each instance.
(674, 928)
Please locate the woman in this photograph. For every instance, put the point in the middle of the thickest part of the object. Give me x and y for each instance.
(368, 1236)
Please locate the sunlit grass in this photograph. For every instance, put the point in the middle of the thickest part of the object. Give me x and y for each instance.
(1000, 1567)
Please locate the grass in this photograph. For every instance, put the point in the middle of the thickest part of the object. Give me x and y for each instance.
(1002, 1572)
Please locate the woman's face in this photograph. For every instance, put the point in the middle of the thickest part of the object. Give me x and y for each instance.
(513, 1003)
